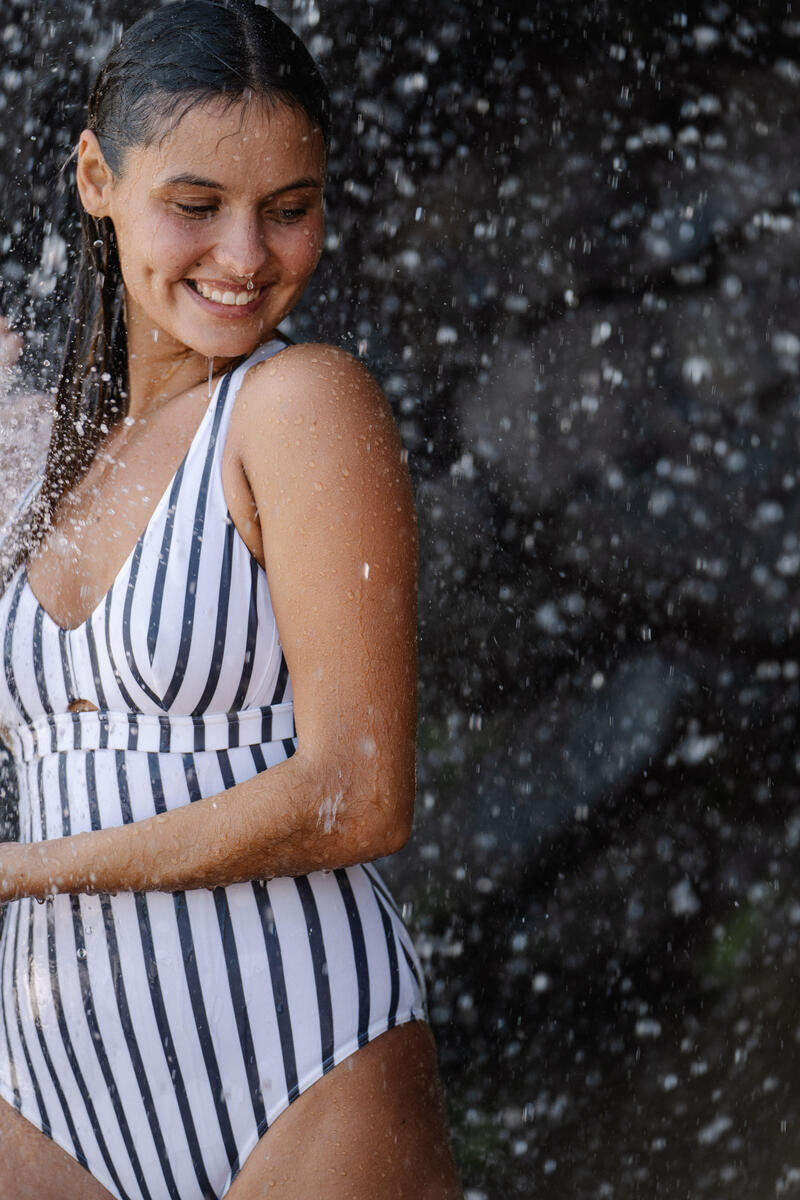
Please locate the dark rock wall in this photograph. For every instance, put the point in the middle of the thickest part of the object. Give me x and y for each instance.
(565, 237)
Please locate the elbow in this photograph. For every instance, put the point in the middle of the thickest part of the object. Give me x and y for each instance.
(380, 828)
(363, 814)
(396, 834)
(380, 839)
(389, 814)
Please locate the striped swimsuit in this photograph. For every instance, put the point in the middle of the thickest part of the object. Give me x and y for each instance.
(155, 1036)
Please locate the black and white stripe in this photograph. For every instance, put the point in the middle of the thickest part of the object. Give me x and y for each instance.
(155, 1037)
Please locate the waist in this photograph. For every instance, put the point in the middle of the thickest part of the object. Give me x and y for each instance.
(159, 733)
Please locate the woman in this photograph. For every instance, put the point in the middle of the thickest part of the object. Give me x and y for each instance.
(195, 791)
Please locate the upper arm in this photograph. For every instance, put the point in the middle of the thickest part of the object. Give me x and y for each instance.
(324, 462)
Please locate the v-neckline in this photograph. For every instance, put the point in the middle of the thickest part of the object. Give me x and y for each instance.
(64, 630)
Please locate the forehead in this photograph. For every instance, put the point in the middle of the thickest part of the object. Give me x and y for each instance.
(221, 140)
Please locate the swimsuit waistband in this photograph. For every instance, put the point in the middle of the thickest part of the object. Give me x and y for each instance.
(158, 733)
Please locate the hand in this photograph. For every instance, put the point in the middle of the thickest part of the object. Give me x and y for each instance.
(10, 347)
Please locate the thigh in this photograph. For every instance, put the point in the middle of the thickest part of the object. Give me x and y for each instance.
(374, 1126)
(33, 1167)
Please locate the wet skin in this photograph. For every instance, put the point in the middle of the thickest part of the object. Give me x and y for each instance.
(314, 478)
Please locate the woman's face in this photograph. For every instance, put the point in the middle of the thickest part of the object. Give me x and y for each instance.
(219, 225)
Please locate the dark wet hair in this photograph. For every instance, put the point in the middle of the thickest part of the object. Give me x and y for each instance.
(171, 60)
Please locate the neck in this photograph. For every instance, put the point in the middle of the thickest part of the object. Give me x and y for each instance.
(160, 368)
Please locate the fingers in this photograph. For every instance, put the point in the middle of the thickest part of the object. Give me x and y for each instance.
(10, 345)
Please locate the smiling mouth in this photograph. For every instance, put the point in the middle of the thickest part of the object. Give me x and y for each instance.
(230, 299)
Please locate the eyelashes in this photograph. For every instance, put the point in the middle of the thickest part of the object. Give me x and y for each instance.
(197, 211)
(202, 212)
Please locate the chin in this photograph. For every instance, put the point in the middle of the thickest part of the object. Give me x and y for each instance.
(239, 346)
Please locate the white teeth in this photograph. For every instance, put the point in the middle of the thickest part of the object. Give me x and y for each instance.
(230, 298)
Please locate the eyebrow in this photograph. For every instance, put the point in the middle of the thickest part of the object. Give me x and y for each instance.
(197, 181)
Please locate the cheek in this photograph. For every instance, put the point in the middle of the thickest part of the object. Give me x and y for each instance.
(160, 249)
(306, 249)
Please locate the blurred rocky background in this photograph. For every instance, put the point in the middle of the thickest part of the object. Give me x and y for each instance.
(566, 237)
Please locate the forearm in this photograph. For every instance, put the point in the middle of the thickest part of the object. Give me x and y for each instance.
(280, 822)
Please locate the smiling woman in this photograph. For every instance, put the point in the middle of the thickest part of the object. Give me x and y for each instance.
(208, 630)
(236, 231)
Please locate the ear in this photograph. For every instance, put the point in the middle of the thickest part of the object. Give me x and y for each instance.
(93, 175)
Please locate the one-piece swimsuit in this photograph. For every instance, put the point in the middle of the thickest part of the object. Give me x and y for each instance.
(156, 1036)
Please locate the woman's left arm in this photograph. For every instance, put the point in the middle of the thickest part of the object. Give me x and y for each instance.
(334, 512)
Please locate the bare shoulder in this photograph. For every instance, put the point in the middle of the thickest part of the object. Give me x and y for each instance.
(315, 410)
(312, 379)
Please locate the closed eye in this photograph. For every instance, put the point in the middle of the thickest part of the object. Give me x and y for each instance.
(195, 210)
